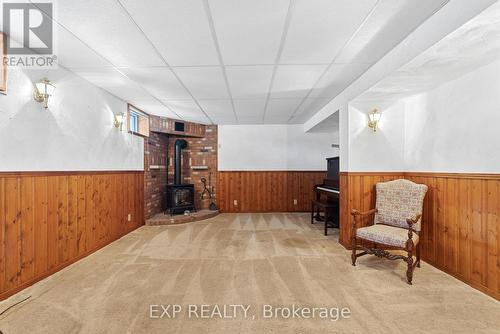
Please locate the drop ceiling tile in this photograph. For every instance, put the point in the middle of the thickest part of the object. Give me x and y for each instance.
(114, 82)
(154, 107)
(249, 32)
(320, 28)
(214, 107)
(107, 28)
(187, 110)
(203, 82)
(178, 29)
(295, 81)
(225, 120)
(71, 52)
(159, 81)
(249, 81)
(337, 78)
(249, 111)
(279, 110)
(250, 120)
(220, 111)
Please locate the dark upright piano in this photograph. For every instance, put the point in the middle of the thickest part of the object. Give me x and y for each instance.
(330, 188)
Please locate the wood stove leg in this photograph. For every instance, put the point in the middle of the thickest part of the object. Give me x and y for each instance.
(312, 213)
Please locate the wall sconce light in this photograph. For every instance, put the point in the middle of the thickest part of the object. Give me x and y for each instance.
(44, 89)
(373, 119)
(118, 122)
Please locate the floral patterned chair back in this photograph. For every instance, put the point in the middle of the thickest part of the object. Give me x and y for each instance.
(398, 200)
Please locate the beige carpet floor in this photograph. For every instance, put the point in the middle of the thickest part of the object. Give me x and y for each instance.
(251, 259)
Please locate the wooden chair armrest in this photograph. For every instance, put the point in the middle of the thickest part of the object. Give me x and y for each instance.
(357, 215)
(412, 221)
(355, 212)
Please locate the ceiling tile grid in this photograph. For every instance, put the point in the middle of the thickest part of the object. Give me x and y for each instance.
(230, 61)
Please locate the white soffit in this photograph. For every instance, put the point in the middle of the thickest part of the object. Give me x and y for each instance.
(475, 44)
(330, 125)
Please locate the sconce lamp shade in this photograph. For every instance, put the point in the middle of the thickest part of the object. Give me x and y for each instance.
(375, 116)
(118, 122)
(119, 118)
(44, 89)
(373, 119)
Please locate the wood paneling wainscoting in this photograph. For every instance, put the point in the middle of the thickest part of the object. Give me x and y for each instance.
(49, 220)
(358, 192)
(461, 221)
(267, 191)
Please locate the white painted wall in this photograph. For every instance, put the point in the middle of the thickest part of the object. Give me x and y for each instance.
(379, 151)
(452, 128)
(76, 133)
(456, 127)
(273, 147)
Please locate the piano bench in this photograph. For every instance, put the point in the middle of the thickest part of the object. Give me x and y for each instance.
(327, 208)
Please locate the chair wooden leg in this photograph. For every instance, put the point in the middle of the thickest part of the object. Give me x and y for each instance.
(409, 271)
(353, 255)
(418, 255)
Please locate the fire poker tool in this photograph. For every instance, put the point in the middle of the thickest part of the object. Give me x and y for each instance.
(208, 189)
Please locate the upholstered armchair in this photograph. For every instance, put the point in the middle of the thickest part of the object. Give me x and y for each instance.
(397, 220)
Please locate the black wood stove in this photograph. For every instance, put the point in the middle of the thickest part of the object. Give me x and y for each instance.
(180, 197)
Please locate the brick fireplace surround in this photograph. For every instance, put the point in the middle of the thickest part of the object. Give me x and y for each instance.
(201, 151)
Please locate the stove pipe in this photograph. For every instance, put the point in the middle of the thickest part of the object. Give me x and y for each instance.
(180, 144)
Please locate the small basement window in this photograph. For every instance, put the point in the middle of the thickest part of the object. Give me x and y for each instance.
(138, 121)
